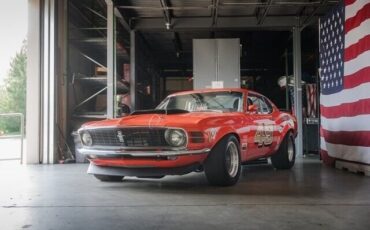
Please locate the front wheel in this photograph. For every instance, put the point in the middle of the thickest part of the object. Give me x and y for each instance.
(107, 178)
(284, 158)
(222, 167)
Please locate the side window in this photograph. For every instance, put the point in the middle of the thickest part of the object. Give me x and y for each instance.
(254, 100)
(262, 106)
(268, 104)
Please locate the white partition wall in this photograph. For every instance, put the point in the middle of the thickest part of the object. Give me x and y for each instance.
(33, 83)
(41, 75)
(216, 60)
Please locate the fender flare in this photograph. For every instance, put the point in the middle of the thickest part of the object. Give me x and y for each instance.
(222, 132)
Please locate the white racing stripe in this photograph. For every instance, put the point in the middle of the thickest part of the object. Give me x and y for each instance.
(350, 153)
(346, 96)
(351, 10)
(356, 123)
(354, 35)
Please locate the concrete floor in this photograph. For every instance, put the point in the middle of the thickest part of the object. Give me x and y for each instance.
(311, 196)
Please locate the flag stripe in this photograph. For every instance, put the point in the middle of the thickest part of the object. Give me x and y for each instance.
(359, 138)
(349, 2)
(346, 152)
(352, 9)
(345, 81)
(362, 61)
(357, 33)
(346, 96)
(356, 20)
(358, 78)
(347, 109)
(354, 50)
(356, 123)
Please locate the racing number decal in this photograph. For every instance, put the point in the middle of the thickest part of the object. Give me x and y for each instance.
(264, 135)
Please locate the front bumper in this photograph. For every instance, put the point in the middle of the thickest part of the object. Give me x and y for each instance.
(96, 153)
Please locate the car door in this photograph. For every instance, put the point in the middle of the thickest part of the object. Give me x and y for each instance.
(261, 126)
(270, 125)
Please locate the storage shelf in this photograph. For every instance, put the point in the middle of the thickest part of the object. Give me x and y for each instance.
(101, 81)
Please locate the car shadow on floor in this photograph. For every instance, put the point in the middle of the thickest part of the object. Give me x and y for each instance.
(306, 179)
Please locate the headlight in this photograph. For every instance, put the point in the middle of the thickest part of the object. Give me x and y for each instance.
(86, 138)
(175, 137)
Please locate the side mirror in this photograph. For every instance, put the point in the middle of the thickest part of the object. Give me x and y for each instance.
(252, 108)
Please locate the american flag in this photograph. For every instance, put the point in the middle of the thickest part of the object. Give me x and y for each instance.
(345, 81)
(311, 100)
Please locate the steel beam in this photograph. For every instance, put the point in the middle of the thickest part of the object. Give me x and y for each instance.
(215, 6)
(83, 16)
(228, 5)
(226, 23)
(111, 61)
(262, 18)
(121, 19)
(95, 12)
(166, 13)
(297, 71)
(310, 18)
(277, 4)
(133, 69)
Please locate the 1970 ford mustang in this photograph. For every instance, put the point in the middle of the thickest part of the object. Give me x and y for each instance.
(213, 130)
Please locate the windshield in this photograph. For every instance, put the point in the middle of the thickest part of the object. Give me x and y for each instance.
(211, 101)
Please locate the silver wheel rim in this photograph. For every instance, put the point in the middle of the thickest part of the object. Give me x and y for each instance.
(290, 150)
(232, 159)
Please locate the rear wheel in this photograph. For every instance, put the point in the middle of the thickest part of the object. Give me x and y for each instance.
(284, 158)
(108, 178)
(222, 167)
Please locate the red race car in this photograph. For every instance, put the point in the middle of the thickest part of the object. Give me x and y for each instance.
(213, 130)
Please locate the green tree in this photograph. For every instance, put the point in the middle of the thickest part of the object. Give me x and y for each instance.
(13, 91)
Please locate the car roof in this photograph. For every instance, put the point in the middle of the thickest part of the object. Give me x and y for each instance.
(213, 90)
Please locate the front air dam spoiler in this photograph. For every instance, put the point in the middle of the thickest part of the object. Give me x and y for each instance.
(141, 172)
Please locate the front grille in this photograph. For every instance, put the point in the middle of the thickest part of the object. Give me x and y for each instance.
(129, 137)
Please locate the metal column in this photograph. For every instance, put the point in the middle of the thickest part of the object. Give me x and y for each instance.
(287, 80)
(297, 71)
(48, 81)
(41, 82)
(133, 69)
(111, 60)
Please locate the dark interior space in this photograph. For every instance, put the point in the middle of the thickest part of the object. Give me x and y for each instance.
(163, 50)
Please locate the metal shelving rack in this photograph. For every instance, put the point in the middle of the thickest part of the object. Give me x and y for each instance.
(90, 36)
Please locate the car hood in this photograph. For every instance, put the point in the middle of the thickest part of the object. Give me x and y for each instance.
(170, 120)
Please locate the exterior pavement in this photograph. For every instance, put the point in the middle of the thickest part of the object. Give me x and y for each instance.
(311, 196)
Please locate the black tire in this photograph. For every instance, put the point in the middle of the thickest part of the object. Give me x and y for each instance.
(284, 158)
(107, 178)
(218, 167)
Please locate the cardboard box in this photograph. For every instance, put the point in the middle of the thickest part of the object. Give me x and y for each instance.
(100, 71)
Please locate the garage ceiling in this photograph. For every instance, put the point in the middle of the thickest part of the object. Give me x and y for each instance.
(220, 14)
(168, 27)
